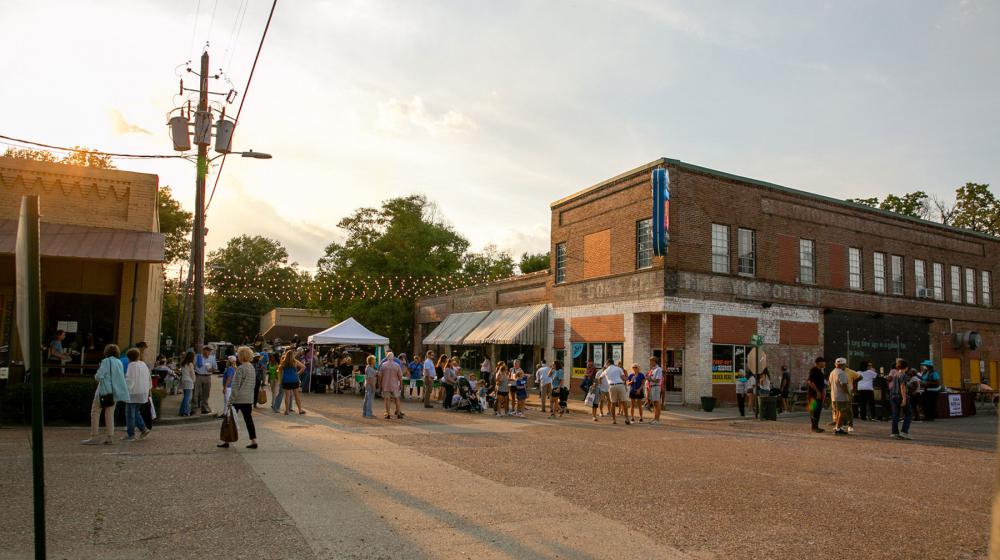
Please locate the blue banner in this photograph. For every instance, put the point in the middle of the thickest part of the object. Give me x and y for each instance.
(577, 349)
(661, 211)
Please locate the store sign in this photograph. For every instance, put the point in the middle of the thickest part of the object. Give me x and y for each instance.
(638, 285)
(661, 211)
(954, 405)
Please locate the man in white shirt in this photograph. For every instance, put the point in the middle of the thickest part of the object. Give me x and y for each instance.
(544, 383)
(429, 375)
(204, 365)
(840, 395)
(615, 377)
(655, 377)
(865, 397)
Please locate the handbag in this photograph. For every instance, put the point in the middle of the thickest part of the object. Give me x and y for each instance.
(589, 401)
(262, 396)
(229, 432)
(109, 399)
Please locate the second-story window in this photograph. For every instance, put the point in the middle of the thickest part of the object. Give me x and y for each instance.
(747, 256)
(970, 286)
(644, 243)
(987, 294)
(807, 261)
(854, 268)
(878, 268)
(560, 263)
(720, 248)
(897, 275)
(920, 278)
(956, 284)
(938, 281)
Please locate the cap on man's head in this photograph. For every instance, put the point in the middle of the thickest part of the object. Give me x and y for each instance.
(206, 347)
(841, 361)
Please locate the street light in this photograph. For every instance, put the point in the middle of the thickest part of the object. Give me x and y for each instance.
(255, 155)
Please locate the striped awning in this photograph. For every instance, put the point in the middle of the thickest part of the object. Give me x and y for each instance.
(454, 328)
(513, 325)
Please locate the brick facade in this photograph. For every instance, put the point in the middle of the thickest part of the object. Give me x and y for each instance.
(599, 328)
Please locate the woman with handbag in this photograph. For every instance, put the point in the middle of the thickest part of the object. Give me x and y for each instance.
(111, 388)
(242, 397)
(187, 383)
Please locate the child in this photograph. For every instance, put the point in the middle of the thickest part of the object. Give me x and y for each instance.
(521, 389)
(227, 383)
(503, 389)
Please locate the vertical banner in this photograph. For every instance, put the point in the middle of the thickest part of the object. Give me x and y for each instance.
(661, 211)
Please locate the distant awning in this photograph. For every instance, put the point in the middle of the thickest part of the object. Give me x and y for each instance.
(454, 328)
(83, 242)
(514, 325)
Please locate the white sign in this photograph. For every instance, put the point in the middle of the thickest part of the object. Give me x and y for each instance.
(954, 405)
(599, 356)
(616, 353)
(66, 326)
(4, 373)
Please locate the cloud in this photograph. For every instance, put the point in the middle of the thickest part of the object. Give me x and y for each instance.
(398, 116)
(121, 126)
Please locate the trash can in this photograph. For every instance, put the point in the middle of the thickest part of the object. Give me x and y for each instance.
(767, 407)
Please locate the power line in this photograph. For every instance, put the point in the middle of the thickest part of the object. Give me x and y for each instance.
(194, 32)
(243, 99)
(98, 152)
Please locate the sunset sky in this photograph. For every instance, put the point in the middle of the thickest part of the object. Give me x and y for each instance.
(495, 109)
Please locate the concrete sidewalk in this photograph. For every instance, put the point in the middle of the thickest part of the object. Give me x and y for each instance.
(171, 404)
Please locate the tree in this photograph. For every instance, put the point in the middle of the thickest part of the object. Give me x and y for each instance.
(175, 224)
(248, 277)
(402, 238)
(915, 204)
(490, 264)
(533, 262)
(976, 208)
(78, 156)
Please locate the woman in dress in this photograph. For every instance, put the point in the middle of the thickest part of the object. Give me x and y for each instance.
(242, 396)
(370, 374)
(110, 381)
(187, 383)
(290, 386)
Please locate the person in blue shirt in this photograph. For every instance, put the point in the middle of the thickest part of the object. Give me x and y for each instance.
(931, 381)
(415, 374)
(227, 383)
(636, 390)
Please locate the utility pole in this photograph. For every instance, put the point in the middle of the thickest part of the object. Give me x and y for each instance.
(202, 137)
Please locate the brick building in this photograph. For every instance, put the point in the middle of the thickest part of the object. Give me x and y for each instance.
(102, 254)
(810, 274)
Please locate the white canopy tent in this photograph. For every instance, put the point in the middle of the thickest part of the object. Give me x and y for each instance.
(348, 331)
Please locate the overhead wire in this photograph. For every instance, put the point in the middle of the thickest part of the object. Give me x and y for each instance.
(194, 32)
(246, 90)
(211, 23)
(234, 36)
(98, 152)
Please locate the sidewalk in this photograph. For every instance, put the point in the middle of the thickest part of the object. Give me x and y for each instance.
(171, 405)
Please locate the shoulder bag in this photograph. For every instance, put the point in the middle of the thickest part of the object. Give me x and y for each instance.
(109, 399)
(229, 432)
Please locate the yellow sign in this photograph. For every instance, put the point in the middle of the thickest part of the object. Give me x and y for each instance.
(723, 377)
(579, 371)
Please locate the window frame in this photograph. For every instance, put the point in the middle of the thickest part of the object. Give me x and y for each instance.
(985, 288)
(560, 258)
(644, 254)
(919, 276)
(717, 256)
(897, 275)
(811, 243)
(956, 283)
(970, 286)
(878, 272)
(855, 272)
(938, 281)
(751, 259)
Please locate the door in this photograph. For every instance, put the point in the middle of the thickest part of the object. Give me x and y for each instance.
(951, 372)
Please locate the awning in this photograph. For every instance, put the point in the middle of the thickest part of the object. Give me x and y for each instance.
(454, 328)
(83, 242)
(514, 325)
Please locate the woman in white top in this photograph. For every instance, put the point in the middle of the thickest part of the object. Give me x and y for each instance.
(187, 383)
(865, 396)
(139, 382)
(515, 372)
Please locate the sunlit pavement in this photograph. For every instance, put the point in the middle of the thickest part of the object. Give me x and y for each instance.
(440, 484)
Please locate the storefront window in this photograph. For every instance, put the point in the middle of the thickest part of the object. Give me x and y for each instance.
(596, 352)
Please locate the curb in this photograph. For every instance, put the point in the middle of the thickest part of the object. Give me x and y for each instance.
(179, 420)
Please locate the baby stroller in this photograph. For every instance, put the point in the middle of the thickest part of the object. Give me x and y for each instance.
(466, 399)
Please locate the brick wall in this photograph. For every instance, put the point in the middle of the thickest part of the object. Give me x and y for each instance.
(600, 328)
(796, 333)
(837, 264)
(788, 258)
(559, 333)
(733, 330)
(674, 335)
(597, 254)
(70, 194)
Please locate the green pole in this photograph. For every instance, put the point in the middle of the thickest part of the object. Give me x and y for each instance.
(33, 359)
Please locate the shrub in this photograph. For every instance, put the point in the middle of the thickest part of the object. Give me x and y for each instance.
(64, 401)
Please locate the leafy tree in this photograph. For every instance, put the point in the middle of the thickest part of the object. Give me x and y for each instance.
(533, 262)
(30, 154)
(491, 263)
(175, 224)
(248, 277)
(976, 208)
(404, 237)
(916, 204)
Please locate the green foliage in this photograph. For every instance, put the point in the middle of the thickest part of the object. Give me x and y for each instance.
(79, 156)
(915, 204)
(30, 154)
(403, 237)
(873, 201)
(248, 277)
(64, 401)
(976, 208)
(175, 224)
(533, 262)
(490, 263)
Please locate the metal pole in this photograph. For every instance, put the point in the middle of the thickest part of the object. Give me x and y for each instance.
(198, 235)
(34, 362)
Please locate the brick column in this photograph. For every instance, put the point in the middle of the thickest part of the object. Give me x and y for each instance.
(636, 344)
(697, 358)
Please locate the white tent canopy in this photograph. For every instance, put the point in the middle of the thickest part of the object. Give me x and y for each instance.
(348, 331)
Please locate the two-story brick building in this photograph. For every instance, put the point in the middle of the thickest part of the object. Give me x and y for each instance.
(102, 254)
(812, 275)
